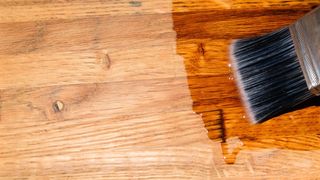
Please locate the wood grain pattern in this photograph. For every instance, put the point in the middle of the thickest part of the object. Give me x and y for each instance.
(98, 46)
(39, 10)
(121, 89)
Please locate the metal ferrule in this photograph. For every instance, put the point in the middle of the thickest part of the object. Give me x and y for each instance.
(306, 37)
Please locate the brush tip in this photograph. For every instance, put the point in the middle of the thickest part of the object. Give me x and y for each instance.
(268, 75)
(237, 77)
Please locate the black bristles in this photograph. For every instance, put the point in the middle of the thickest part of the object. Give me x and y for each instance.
(269, 75)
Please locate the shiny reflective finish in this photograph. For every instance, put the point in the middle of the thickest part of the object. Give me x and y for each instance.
(140, 89)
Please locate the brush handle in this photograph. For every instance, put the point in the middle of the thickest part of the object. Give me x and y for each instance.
(306, 37)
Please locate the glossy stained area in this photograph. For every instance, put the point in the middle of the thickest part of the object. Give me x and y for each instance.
(277, 144)
(140, 89)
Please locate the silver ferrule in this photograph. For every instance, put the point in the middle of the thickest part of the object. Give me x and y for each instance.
(306, 37)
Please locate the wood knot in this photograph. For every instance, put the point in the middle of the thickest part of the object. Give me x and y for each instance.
(201, 49)
(58, 106)
(107, 61)
(104, 59)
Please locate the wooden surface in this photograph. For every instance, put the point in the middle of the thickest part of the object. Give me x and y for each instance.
(120, 89)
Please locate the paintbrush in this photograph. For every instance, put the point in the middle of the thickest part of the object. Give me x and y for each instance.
(278, 71)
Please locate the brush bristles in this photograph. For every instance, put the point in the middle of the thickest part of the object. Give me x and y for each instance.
(268, 74)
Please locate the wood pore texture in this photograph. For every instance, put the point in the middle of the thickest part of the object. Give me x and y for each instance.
(121, 89)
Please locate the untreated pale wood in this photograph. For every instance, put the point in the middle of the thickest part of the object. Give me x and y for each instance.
(104, 49)
(141, 90)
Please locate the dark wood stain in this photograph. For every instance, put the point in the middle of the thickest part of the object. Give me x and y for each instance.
(230, 24)
(223, 127)
(209, 34)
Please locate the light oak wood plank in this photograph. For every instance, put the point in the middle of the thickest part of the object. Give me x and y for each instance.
(77, 130)
(92, 129)
(90, 51)
(103, 48)
(141, 90)
(38, 10)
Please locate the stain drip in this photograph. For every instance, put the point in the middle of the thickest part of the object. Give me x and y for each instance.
(231, 149)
